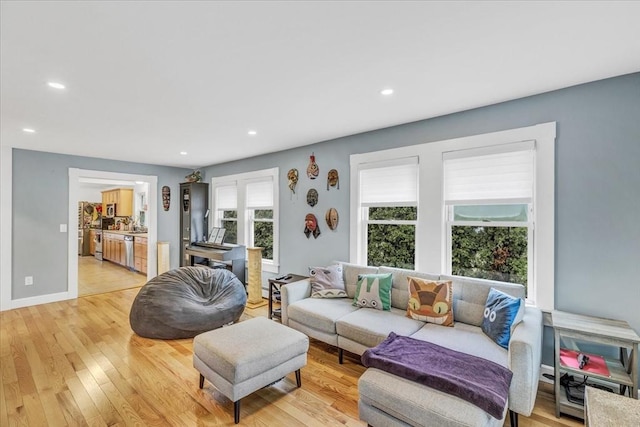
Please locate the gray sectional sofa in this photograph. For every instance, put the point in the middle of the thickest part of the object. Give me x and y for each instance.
(388, 400)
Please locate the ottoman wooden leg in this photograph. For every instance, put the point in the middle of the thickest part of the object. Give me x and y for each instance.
(298, 380)
(236, 411)
(201, 381)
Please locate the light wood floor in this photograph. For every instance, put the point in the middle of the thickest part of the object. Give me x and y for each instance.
(78, 363)
(97, 277)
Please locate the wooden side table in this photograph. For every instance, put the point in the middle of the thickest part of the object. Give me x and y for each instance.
(274, 288)
(617, 333)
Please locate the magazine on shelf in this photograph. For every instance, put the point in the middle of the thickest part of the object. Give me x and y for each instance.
(595, 365)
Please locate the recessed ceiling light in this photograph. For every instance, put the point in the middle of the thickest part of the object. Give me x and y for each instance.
(139, 182)
(386, 92)
(183, 153)
(252, 132)
(28, 130)
(56, 85)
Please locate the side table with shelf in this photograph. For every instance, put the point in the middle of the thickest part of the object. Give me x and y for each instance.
(274, 291)
(623, 371)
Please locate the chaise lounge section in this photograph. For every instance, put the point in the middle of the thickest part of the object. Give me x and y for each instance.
(386, 399)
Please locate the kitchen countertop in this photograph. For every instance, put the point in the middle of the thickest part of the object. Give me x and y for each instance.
(125, 233)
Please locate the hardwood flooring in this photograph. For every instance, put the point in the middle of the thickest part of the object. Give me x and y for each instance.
(78, 363)
(97, 277)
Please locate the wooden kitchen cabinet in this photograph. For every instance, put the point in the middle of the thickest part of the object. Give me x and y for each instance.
(140, 254)
(122, 197)
(113, 248)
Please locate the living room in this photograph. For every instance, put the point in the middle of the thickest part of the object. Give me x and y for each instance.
(596, 241)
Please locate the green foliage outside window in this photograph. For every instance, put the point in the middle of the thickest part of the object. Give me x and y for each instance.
(263, 232)
(393, 245)
(231, 233)
(497, 253)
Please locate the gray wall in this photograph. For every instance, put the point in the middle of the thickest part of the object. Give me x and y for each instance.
(597, 189)
(597, 193)
(40, 204)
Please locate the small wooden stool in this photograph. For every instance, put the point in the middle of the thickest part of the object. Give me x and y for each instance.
(247, 356)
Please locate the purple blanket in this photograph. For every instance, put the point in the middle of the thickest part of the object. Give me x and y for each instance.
(476, 380)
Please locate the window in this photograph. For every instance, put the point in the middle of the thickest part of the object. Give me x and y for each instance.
(488, 196)
(226, 205)
(480, 206)
(388, 212)
(246, 206)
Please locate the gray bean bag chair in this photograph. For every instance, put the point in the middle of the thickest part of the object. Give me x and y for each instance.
(187, 301)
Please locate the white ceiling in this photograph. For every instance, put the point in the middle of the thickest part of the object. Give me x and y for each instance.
(146, 80)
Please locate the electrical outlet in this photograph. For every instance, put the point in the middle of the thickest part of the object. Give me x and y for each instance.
(28, 280)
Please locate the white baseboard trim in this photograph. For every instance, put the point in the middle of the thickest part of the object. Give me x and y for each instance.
(546, 369)
(43, 299)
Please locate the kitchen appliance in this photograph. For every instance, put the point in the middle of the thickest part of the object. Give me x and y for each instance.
(111, 210)
(128, 250)
(98, 241)
(87, 214)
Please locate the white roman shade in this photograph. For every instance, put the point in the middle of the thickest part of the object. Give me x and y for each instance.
(497, 174)
(226, 197)
(260, 194)
(389, 183)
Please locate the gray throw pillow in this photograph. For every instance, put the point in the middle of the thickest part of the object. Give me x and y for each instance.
(327, 282)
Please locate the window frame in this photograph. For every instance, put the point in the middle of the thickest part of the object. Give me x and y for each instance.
(244, 218)
(431, 230)
(363, 207)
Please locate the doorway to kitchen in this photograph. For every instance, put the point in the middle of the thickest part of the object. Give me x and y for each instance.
(88, 275)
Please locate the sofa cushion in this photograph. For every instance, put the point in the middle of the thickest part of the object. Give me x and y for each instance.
(371, 327)
(373, 291)
(501, 313)
(431, 301)
(350, 273)
(327, 282)
(399, 289)
(464, 338)
(320, 314)
(470, 295)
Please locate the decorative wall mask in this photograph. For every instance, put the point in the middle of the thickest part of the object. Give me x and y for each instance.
(332, 218)
(312, 197)
(166, 197)
(332, 179)
(311, 226)
(292, 177)
(194, 176)
(312, 169)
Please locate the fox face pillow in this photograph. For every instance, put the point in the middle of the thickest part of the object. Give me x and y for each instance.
(430, 301)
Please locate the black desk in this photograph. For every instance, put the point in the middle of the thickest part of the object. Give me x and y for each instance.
(233, 256)
(274, 285)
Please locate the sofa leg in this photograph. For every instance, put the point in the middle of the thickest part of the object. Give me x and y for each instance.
(513, 418)
(236, 411)
(298, 379)
(340, 354)
(201, 381)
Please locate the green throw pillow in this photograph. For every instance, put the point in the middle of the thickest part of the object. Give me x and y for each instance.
(373, 291)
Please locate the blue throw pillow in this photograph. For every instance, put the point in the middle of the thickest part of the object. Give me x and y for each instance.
(501, 313)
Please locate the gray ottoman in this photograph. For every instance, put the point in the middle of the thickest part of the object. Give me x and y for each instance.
(244, 357)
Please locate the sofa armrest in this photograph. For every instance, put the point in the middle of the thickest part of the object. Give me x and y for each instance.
(525, 355)
(292, 292)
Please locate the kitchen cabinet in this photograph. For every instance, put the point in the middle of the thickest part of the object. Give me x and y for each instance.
(92, 242)
(140, 254)
(123, 199)
(113, 248)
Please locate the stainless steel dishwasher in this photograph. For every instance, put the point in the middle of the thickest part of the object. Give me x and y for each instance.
(128, 251)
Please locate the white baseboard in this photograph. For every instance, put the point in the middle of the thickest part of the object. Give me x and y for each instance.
(546, 369)
(43, 299)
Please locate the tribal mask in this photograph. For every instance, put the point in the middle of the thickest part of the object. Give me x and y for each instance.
(311, 226)
(312, 197)
(292, 177)
(331, 217)
(332, 179)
